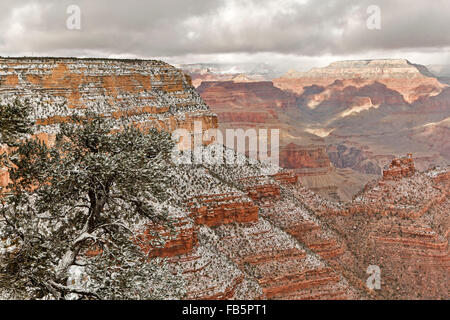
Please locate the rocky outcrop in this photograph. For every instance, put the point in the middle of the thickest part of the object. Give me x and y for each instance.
(286, 177)
(214, 210)
(400, 168)
(159, 242)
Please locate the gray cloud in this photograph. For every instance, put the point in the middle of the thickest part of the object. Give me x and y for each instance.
(173, 28)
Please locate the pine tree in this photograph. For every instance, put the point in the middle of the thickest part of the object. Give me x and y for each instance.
(14, 121)
(87, 192)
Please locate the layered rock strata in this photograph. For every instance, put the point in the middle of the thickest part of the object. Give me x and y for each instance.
(147, 93)
(140, 91)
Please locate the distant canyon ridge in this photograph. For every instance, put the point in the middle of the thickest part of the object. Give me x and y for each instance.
(341, 124)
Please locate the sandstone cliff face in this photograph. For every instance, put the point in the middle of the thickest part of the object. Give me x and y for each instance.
(218, 209)
(146, 92)
(306, 160)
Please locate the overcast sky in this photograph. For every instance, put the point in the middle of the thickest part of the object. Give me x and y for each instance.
(291, 33)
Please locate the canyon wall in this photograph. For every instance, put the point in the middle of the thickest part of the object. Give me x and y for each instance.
(374, 109)
(261, 105)
(146, 93)
(140, 91)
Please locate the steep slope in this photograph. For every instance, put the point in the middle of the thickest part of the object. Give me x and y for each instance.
(402, 226)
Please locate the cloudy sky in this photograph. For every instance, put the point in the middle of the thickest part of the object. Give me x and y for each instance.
(288, 33)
